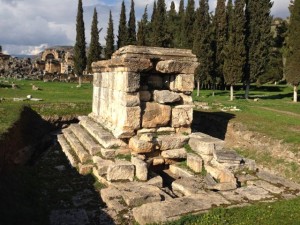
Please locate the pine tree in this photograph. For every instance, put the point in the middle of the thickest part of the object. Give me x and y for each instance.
(202, 44)
(220, 32)
(293, 65)
(172, 24)
(258, 39)
(188, 25)
(80, 60)
(131, 26)
(122, 33)
(179, 35)
(143, 30)
(235, 50)
(95, 47)
(109, 50)
(159, 35)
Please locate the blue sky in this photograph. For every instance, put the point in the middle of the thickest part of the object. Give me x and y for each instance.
(29, 26)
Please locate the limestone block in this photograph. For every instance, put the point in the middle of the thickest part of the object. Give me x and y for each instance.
(158, 161)
(155, 115)
(248, 164)
(173, 66)
(141, 170)
(223, 186)
(156, 181)
(182, 116)
(97, 79)
(121, 81)
(102, 164)
(140, 146)
(253, 193)
(183, 130)
(194, 162)
(108, 153)
(223, 176)
(175, 141)
(85, 169)
(165, 96)
(227, 156)
(267, 186)
(121, 170)
(155, 81)
(178, 171)
(168, 130)
(182, 82)
(188, 185)
(145, 96)
(146, 137)
(174, 154)
(186, 99)
(204, 144)
(125, 99)
(96, 100)
(146, 131)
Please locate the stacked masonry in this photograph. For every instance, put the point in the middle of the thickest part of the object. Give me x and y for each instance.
(142, 111)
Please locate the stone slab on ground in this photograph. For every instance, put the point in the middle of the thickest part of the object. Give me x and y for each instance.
(86, 140)
(267, 186)
(66, 148)
(174, 141)
(113, 199)
(227, 156)
(102, 165)
(254, 193)
(160, 212)
(179, 171)
(69, 217)
(174, 154)
(203, 144)
(105, 138)
(194, 162)
(233, 196)
(81, 153)
(189, 185)
(121, 170)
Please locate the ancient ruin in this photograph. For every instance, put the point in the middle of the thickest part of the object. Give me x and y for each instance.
(138, 142)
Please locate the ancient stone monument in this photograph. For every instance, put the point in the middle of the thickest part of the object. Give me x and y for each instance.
(138, 142)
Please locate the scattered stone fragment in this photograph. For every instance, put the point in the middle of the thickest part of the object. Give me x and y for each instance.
(174, 154)
(141, 170)
(227, 156)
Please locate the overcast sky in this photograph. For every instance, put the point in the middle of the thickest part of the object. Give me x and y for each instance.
(29, 26)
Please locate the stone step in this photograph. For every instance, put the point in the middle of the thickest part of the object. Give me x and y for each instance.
(66, 148)
(86, 140)
(160, 212)
(180, 172)
(105, 138)
(76, 145)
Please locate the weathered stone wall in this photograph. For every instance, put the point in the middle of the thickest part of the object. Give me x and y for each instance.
(144, 87)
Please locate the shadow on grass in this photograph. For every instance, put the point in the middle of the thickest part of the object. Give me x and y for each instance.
(212, 123)
(50, 192)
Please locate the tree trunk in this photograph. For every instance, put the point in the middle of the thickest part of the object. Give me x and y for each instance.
(247, 89)
(295, 93)
(214, 88)
(231, 92)
(198, 88)
(79, 81)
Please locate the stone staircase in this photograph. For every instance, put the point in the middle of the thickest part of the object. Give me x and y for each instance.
(205, 176)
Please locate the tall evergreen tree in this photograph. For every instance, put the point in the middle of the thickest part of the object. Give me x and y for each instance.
(258, 39)
(179, 35)
(188, 25)
(110, 40)
(143, 30)
(0, 49)
(80, 59)
(153, 11)
(172, 24)
(202, 44)
(293, 65)
(220, 32)
(229, 14)
(235, 50)
(160, 36)
(95, 47)
(131, 26)
(122, 33)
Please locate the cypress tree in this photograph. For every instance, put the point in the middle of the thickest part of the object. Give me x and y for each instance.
(122, 33)
(172, 24)
(188, 25)
(293, 59)
(202, 44)
(229, 14)
(0, 49)
(142, 34)
(80, 60)
(258, 39)
(160, 36)
(181, 13)
(220, 31)
(109, 50)
(153, 11)
(131, 26)
(235, 50)
(95, 47)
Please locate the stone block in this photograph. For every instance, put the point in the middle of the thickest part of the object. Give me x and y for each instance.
(183, 130)
(267, 186)
(180, 172)
(174, 154)
(140, 146)
(223, 176)
(253, 193)
(145, 96)
(155, 115)
(182, 82)
(156, 181)
(102, 165)
(223, 186)
(188, 186)
(120, 171)
(165, 96)
(173, 66)
(141, 170)
(186, 99)
(182, 116)
(85, 169)
(227, 156)
(146, 131)
(194, 162)
(174, 141)
(204, 144)
(108, 153)
(112, 198)
(162, 130)
(158, 161)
